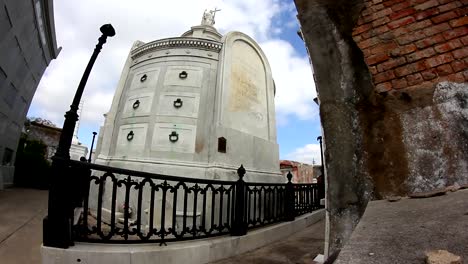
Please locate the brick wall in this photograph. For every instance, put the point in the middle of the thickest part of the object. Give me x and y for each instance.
(414, 43)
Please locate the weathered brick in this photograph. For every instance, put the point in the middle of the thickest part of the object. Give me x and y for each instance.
(464, 40)
(436, 29)
(401, 6)
(411, 37)
(458, 65)
(367, 34)
(373, 70)
(366, 52)
(459, 22)
(383, 48)
(465, 74)
(380, 21)
(438, 60)
(400, 31)
(418, 25)
(407, 49)
(457, 32)
(376, 1)
(401, 22)
(425, 53)
(449, 6)
(426, 5)
(422, 86)
(414, 79)
(429, 41)
(367, 19)
(415, 2)
(410, 68)
(399, 83)
(368, 3)
(426, 14)
(402, 50)
(360, 21)
(448, 46)
(368, 42)
(429, 74)
(384, 76)
(445, 1)
(455, 77)
(444, 17)
(387, 37)
(460, 53)
(390, 64)
(462, 11)
(443, 70)
(383, 87)
(392, 2)
(361, 28)
(381, 29)
(401, 13)
(366, 12)
(378, 7)
(376, 59)
(381, 13)
(357, 38)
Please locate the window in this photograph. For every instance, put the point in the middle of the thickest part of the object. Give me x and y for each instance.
(7, 157)
(222, 145)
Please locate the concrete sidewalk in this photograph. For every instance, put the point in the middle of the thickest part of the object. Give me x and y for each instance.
(301, 247)
(21, 214)
(401, 232)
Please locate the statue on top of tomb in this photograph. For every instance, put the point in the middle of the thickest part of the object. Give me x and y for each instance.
(209, 17)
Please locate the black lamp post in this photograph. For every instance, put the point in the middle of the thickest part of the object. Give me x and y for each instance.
(322, 182)
(63, 150)
(319, 138)
(57, 224)
(91, 150)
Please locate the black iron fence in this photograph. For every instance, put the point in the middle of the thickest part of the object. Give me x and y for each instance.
(112, 205)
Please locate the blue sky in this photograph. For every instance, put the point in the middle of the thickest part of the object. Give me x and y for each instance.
(272, 23)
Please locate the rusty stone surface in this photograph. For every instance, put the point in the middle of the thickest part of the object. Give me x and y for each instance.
(343, 82)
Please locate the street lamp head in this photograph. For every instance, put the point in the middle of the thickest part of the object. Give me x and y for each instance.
(94, 133)
(107, 30)
(319, 138)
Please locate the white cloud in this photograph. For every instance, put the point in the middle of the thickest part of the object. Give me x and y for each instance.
(307, 154)
(77, 28)
(295, 89)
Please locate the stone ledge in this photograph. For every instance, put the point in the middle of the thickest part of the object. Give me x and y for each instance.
(199, 251)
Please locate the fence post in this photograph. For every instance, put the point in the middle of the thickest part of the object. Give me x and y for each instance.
(289, 199)
(239, 225)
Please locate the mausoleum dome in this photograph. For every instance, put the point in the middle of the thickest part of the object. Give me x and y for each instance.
(203, 31)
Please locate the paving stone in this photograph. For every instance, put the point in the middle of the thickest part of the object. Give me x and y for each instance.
(442, 257)
(393, 198)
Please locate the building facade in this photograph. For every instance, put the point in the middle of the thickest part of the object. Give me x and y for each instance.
(199, 105)
(302, 172)
(47, 134)
(27, 45)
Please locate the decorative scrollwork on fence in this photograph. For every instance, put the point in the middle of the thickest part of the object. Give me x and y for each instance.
(123, 206)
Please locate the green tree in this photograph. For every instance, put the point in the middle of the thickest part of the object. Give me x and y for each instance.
(31, 166)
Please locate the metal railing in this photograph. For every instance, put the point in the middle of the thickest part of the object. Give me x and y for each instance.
(125, 206)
